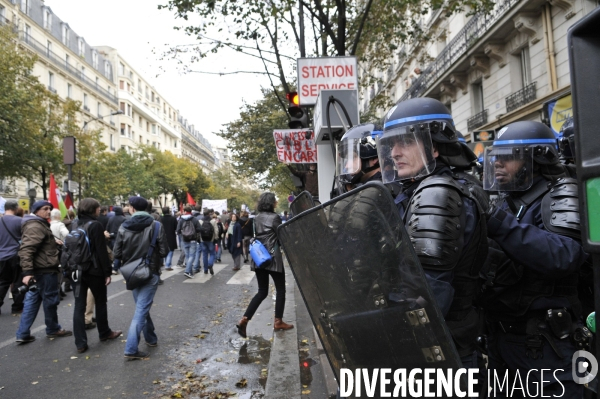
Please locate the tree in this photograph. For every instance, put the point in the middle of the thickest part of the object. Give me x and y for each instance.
(227, 184)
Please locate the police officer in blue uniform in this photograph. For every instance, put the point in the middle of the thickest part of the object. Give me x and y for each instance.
(530, 291)
(444, 219)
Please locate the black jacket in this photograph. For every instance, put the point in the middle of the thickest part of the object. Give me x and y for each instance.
(103, 219)
(170, 224)
(115, 222)
(134, 238)
(95, 231)
(265, 224)
(246, 224)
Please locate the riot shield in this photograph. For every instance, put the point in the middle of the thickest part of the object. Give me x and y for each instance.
(363, 285)
(304, 201)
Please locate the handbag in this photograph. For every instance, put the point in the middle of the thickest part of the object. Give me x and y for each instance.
(259, 253)
(137, 272)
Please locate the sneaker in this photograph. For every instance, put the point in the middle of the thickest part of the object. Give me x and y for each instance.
(160, 281)
(211, 271)
(181, 266)
(60, 334)
(25, 340)
(168, 269)
(152, 345)
(188, 275)
(90, 326)
(137, 355)
(114, 272)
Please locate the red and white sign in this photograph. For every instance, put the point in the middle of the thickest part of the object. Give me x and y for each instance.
(316, 74)
(293, 146)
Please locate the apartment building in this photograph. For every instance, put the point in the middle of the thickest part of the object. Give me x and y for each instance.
(195, 147)
(490, 69)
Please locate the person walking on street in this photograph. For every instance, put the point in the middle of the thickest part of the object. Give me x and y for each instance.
(39, 261)
(265, 224)
(235, 243)
(247, 224)
(170, 225)
(208, 234)
(188, 229)
(113, 227)
(10, 267)
(94, 276)
(133, 242)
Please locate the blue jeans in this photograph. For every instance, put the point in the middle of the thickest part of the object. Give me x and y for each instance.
(168, 259)
(220, 250)
(208, 254)
(143, 297)
(46, 294)
(198, 256)
(189, 248)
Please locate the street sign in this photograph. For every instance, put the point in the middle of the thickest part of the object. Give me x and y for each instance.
(24, 203)
(479, 147)
(73, 186)
(316, 74)
(484, 135)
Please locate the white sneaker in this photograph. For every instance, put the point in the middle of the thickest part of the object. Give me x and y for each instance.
(188, 275)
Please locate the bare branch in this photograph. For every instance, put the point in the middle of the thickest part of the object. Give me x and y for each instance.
(233, 73)
(360, 28)
(279, 99)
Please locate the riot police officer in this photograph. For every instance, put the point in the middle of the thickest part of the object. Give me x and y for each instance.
(531, 300)
(444, 220)
(357, 161)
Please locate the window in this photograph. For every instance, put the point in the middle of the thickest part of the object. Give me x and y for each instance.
(141, 139)
(107, 70)
(65, 34)
(122, 129)
(129, 109)
(69, 90)
(146, 91)
(128, 87)
(158, 100)
(51, 81)
(99, 109)
(477, 98)
(97, 81)
(153, 129)
(81, 47)
(140, 121)
(27, 32)
(130, 74)
(122, 106)
(49, 48)
(2, 13)
(140, 85)
(121, 85)
(175, 144)
(525, 67)
(112, 144)
(121, 69)
(67, 59)
(148, 127)
(82, 71)
(129, 131)
(25, 6)
(95, 59)
(152, 97)
(47, 19)
(85, 102)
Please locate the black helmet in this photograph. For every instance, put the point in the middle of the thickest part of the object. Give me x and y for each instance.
(405, 148)
(520, 148)
(458, 155)
(566, 140)
(357, 144)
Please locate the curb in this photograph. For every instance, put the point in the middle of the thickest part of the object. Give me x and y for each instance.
(284, 368)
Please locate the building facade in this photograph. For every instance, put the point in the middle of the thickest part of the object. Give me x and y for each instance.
(196, 148)
(490, 69)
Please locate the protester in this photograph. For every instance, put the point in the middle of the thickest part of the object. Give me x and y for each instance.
(10, 267)
(133, 242)
(103, 217)
(208, 236)
(60, 231)
(112, 228)
(235, 242)
(188, 229)
(219, 240)
(266, 223)
(69, 219)
(170, 225)
(94, 276)
(247, 225)
(39, 260)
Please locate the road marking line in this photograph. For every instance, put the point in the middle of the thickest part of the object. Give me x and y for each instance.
(200, 278)
(242, 277)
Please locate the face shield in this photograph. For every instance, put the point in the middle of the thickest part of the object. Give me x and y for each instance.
(507, 168)
(406, 152)
(348, 161)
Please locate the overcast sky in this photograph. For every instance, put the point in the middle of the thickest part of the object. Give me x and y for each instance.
(141, 33)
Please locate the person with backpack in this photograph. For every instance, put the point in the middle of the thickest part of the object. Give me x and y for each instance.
(208, 235)
(93, 271)
(218, 241)
(170, 224)
(133, 242)
(188, 229)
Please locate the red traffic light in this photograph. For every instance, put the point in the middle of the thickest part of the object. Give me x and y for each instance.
(293, 97)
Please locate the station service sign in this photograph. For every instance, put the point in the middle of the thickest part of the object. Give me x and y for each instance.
(323, 73)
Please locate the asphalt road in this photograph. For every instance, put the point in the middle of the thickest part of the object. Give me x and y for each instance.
(199, 354)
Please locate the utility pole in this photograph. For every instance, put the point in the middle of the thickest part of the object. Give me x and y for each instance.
(301, 18)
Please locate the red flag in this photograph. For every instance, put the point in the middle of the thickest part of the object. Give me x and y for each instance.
(190, 200)
(52, 196)
(69, 202)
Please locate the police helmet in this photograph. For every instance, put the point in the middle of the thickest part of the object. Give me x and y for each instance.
(355, 150)
(566, 140)
(520, 149)
(459, 156)
(410, 127)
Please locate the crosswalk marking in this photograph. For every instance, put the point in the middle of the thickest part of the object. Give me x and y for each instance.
(242, 277)
(200, 278)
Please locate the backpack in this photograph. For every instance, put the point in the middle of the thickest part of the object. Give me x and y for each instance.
(220, 226)
(188, 231)
(76, 251)
(207, 231)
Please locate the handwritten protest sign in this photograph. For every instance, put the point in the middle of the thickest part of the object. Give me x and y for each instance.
(295, 146)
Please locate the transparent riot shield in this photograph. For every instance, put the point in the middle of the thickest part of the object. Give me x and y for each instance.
(363, 285)
(303, 202)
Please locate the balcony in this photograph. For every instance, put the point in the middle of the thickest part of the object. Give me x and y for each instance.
(477, 120)
(61, 62)
(521, 97)
(460, 44)
(197, 147)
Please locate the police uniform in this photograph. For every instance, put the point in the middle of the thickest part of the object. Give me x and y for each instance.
(530, 290)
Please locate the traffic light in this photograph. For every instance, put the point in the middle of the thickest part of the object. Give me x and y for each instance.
(298, 117)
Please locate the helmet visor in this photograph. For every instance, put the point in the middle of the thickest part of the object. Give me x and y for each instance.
(507, 168)
(348, 159)
(405, 152)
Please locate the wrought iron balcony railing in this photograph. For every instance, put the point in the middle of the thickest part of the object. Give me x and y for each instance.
(521, 97)
(477, 120)
(465, 39)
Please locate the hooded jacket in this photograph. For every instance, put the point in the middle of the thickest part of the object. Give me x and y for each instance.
(134, 239)
(39, 251)
(185, 218)
(170, 225)
(115, 222)
(95, 231)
